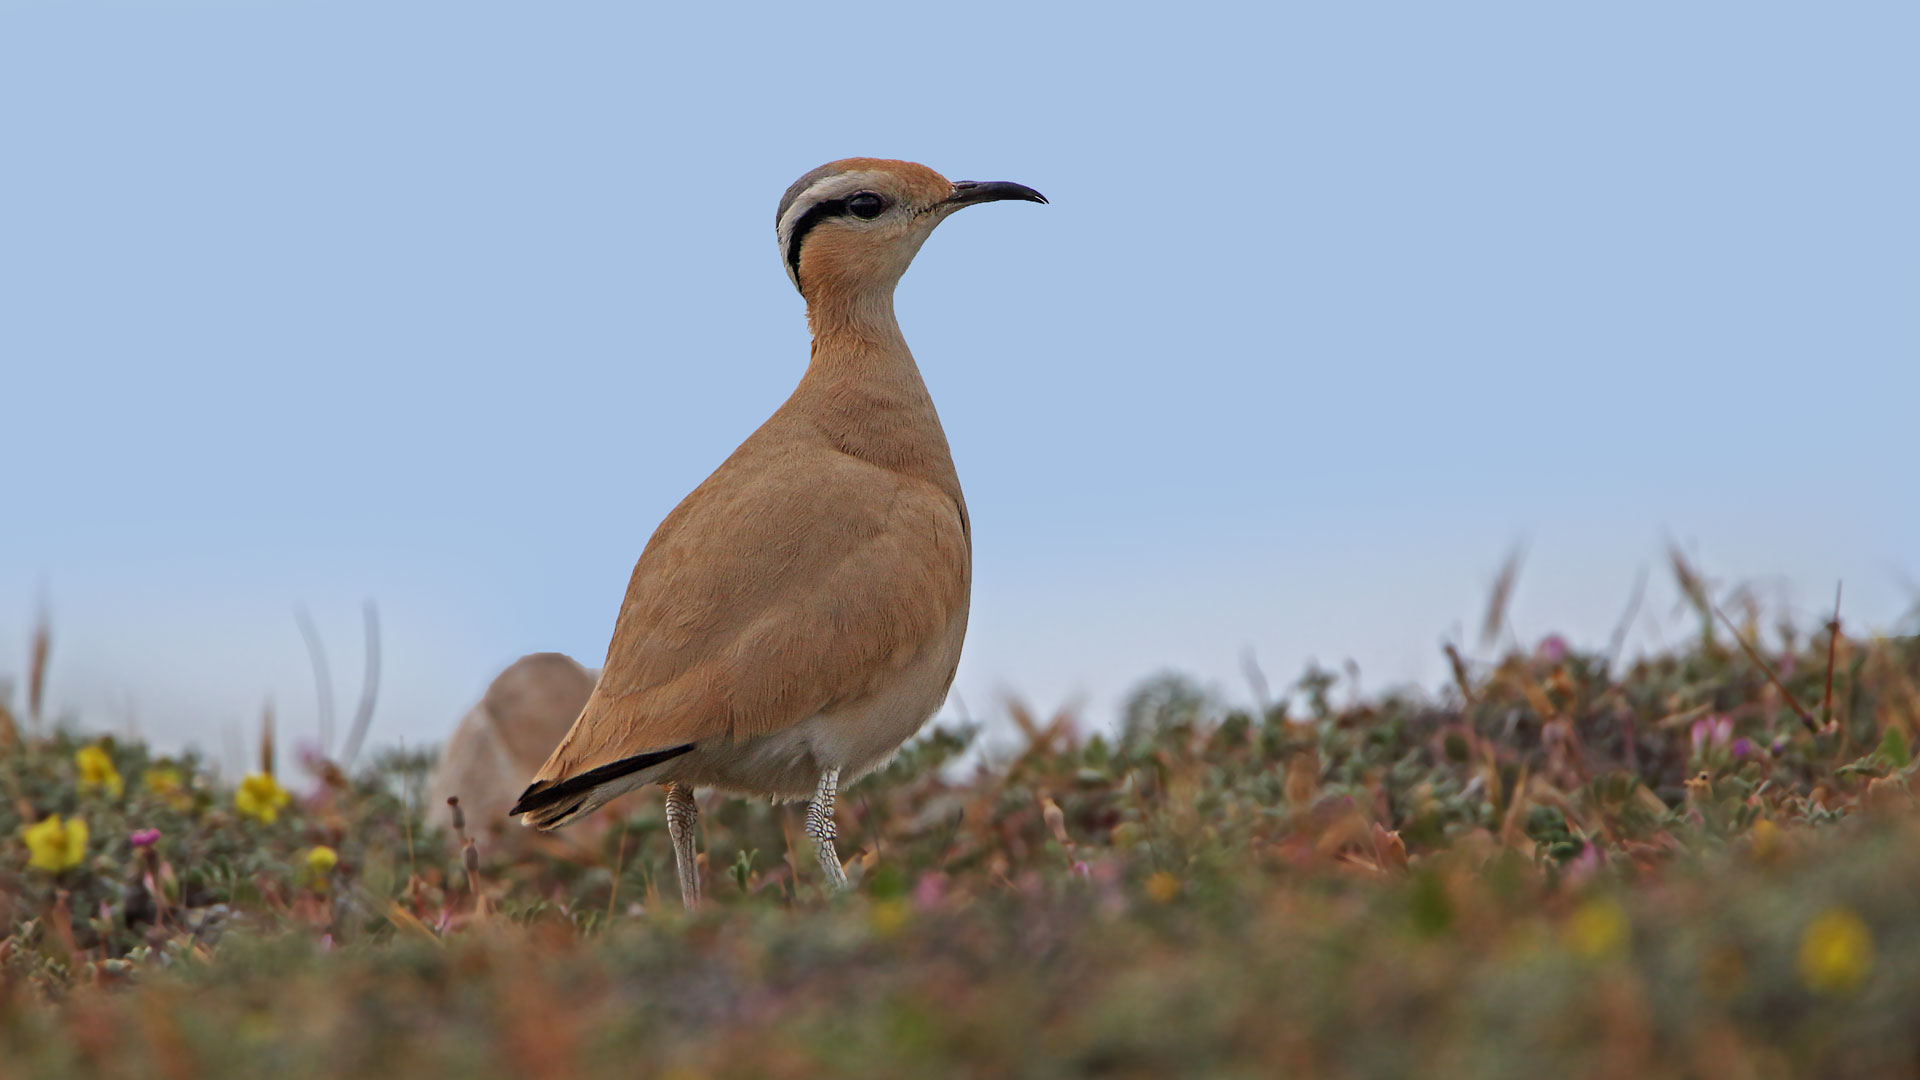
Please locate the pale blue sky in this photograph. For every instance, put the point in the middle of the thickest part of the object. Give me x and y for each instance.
(446, 304)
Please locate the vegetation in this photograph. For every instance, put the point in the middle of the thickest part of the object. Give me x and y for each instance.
(1701, 864)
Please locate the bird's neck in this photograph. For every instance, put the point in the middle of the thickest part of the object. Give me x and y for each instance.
(864, 390)
(855, 319)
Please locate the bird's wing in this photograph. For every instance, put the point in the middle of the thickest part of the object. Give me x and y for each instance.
(786, 584)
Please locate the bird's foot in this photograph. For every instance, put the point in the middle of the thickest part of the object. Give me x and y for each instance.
(820, 826)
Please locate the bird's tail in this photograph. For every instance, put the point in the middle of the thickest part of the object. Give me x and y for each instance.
(549, 804)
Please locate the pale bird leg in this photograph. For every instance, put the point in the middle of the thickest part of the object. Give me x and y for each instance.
(682, 817)
(820, 826)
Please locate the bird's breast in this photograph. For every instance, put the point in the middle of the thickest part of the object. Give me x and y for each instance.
(855, 736)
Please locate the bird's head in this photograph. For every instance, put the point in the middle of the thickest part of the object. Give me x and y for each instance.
(850, 228)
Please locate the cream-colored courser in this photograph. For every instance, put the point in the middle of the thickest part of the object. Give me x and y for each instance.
(799, 615)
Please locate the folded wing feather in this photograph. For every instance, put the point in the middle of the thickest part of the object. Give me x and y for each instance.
(757, 605)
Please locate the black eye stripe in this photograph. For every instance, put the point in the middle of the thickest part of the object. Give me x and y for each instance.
(865, 205)
(815, 214)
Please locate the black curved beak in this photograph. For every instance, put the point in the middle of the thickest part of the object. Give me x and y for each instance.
(970, 192)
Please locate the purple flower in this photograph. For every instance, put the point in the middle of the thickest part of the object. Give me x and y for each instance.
(1552, 649)
(1742, 747)
(144, 838)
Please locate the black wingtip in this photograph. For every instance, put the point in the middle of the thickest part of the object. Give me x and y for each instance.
(529, 801)
(543, 795)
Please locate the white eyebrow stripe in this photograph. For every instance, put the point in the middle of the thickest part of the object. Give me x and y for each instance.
(823, 189)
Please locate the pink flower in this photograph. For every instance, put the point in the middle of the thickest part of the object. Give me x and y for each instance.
(144, 838)
(1552, 649)
(930, 890)
(307, 752)
(1581, 868)
(1711, 734)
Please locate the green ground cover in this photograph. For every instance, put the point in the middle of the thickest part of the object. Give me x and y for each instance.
(1702, 864)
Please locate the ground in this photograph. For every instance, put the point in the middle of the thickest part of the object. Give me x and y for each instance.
(1698, 864)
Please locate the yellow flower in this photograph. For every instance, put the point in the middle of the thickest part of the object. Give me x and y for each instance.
(320, 863)
(54, 845)
(260, 797)
(1596, 929)
(1836, 952)
(165, 782)
(322, 859)
(1162, 887)
(97, 771)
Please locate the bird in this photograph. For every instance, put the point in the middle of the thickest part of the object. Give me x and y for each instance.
(800, 614)
(506, 736)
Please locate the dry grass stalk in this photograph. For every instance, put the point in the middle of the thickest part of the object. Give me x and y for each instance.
(1303, 778)
(37, 668)
(369, 688)
(1833, 643)
(1458, 666)
(470, 857)
(1511, 834)
(322, 676)
(9, 731)
(1055, 736)
(61, 918)
(323, 683)
(408, 921)
(1693, 587)
(1618, 639)
(1501, 596)
(266, 738)
(1766, 669)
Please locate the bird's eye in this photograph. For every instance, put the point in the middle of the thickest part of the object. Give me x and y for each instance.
(866, 206)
